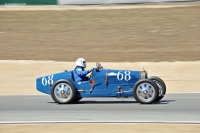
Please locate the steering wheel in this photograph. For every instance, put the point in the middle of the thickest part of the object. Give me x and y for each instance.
(98, 66)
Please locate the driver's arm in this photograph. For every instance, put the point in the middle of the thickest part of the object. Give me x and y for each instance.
(80, 72)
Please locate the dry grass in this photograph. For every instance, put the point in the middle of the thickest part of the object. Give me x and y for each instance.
(167, 34)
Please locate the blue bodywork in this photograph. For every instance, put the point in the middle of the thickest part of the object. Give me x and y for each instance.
(103, 83)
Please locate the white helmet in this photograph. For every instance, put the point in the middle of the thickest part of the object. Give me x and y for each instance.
(81, 62)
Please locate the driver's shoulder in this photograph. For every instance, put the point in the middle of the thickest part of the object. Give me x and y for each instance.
(78, 69)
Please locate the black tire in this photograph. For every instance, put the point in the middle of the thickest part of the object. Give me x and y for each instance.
(161, 85)
(76, 99)
(63, 92)
(140, 93)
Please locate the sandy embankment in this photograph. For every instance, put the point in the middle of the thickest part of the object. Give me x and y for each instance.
(18, 77)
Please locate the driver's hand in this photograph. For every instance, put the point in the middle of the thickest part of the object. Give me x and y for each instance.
(89, 75)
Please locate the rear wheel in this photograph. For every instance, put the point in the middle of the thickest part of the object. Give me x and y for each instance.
(63, 91)
(161, 85)
(145, 91)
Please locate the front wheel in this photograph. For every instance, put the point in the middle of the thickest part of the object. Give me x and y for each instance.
(145, 91)
(63, 91)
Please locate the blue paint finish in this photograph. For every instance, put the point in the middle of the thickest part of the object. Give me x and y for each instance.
(108, 83)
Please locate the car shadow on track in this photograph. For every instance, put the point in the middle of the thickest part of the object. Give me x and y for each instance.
(164, 102)
(105, 102)
(101, 102)
(118, 102)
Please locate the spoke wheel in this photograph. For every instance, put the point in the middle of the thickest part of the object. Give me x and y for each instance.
(145, 91)
(63, 92)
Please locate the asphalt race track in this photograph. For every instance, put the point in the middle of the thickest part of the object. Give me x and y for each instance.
(174, 108)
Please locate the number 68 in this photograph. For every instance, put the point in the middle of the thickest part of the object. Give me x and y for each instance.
(47, 80)
(126, 75)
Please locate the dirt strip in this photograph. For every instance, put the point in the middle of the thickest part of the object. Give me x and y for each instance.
(99, 128)
(19, 77)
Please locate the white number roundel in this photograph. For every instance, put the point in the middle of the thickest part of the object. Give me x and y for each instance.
(126, 75)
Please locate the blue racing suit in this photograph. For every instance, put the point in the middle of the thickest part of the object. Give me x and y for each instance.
(80, 74)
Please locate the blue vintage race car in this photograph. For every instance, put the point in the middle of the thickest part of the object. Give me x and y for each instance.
(103, 83)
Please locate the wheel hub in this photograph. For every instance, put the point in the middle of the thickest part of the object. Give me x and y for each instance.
(145, 92)
(62, 92)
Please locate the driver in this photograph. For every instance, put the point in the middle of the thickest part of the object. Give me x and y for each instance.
(80, 72)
